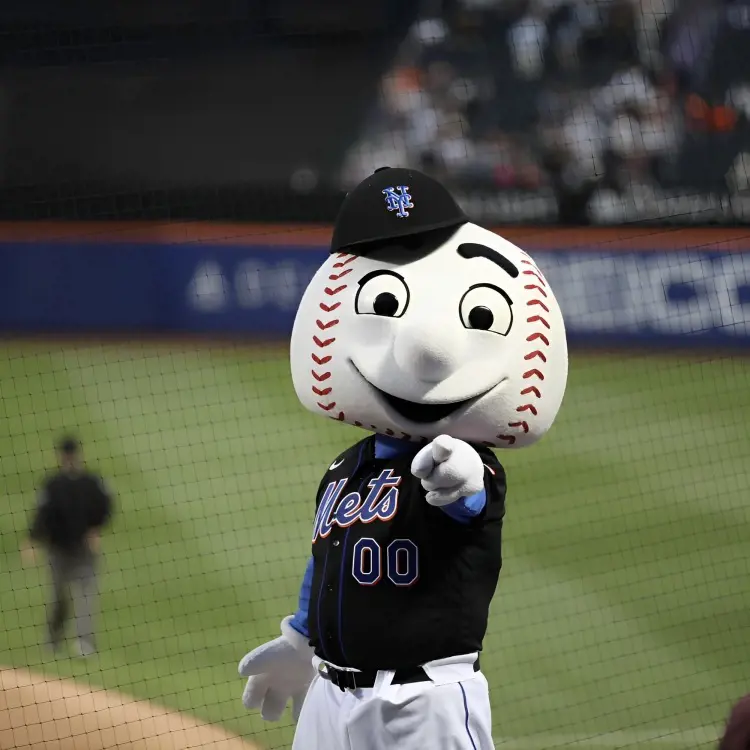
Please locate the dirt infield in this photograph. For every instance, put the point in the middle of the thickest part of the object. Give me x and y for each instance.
(44, 713)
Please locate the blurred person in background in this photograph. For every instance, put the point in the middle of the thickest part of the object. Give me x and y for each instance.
(643, 132)
(689, 36)
(651, 21)
(73, 507)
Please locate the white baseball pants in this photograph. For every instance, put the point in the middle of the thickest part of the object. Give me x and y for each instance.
(449, 712)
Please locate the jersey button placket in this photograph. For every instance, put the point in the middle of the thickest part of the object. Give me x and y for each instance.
(335, 543)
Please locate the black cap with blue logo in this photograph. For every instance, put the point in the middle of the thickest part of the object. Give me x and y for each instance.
(393, 203)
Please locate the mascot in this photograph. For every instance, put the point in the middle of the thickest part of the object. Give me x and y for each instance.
(445, 341)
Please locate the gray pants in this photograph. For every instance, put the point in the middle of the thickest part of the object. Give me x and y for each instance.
(72, 572)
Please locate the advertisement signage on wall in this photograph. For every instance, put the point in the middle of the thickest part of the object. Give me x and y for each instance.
(611, 293)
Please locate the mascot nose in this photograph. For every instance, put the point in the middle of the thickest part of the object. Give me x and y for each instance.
(426, 353)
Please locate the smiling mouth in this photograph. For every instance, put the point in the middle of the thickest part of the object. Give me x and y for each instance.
(422, 413)
(419, 413)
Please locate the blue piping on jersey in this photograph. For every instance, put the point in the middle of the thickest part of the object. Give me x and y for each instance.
(343, 557)
(321, 635)
(341, 596)
(466, 710)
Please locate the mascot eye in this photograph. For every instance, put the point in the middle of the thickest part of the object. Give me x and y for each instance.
(382, 293)
(486, 308)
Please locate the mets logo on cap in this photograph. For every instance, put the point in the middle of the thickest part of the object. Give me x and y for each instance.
(398, 199)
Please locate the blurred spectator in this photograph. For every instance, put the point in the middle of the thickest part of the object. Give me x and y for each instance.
(528, 41)
(689, 39)
(73, 507)
(651, 18)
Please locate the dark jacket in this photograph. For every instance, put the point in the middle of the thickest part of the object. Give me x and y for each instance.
(70, 505)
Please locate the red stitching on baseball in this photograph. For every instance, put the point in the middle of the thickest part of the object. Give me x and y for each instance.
(538, 289)
(323, 326)
(343, 259)
(321, 343)
(534, 319)
(537, 335)
(534, 273)
(337, 276)
(358, 424)
(539, 302)
(536, 353)
(344, 262)
(406, 435)
(389, 433)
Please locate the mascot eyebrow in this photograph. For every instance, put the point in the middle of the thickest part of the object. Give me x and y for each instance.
(474, 250)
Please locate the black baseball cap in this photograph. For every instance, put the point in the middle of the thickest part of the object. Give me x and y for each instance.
(393, 202)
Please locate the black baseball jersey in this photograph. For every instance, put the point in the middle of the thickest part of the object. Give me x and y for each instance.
(69, 506)
(396, 581)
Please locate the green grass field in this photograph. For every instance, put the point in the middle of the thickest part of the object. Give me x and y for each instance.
(622, 617)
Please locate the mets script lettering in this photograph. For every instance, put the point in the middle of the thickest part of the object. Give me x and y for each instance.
(380, 503)
(398, 199)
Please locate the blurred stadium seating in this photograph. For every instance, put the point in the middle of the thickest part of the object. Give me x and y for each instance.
(604, 107)
(566, 111)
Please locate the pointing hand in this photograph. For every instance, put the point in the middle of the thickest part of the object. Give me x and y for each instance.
(449, 469)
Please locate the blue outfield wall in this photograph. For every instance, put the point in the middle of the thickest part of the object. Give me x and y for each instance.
(664, 297)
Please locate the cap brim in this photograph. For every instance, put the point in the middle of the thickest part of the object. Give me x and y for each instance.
(360, 246)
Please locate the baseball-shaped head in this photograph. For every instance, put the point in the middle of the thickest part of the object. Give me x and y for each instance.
(449, 330)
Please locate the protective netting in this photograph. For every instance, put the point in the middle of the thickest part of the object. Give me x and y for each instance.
(620, 619)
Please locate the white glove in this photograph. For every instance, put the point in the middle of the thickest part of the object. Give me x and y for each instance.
(277, 671)
(449, 469)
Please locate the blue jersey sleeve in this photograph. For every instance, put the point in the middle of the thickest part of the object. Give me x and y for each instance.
(465, 509)
(299, 621)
